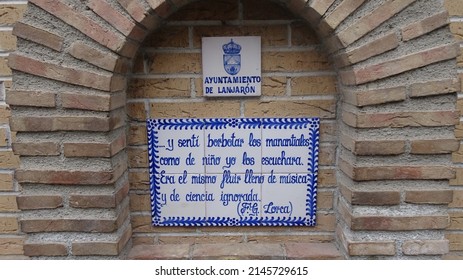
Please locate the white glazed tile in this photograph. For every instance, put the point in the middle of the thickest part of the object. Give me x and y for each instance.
(175, 147)
(182, 200)
(235, 158)
(283, 200)
(234, 200)
(231, 66)
(284, 158)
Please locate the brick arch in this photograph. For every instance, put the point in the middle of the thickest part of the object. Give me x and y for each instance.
(397, 79)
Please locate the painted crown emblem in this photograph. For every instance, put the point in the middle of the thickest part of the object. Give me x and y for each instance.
(231, 48)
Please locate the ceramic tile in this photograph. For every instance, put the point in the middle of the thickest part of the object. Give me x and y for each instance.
(285, 150)
(177, 200)
(232, 66)
(284, 198)
(235, 201)
(180, 150)
(237, 149)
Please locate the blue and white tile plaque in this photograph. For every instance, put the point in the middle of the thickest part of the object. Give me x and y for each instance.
(231, 66)
(233, 172)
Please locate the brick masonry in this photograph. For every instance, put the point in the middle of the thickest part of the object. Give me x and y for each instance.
(11, 239)
(297, 77)
(387, 121)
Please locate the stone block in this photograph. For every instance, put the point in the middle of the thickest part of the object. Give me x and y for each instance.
(436, 87)
(45, 249)
(168, 37)
(118, 20)
(273, 86)
(9, 225)
(371, 248)
(340, 13)
(425, 247)
(299, 108)
(39, 36)
(112, 40)
(102, 81)
(212, 109)
(401, 119)
(376, 47)
(161, 63)
(160, 252)
(159, 88)
(8, 203)
(242, 251)
(138, 157)
(31, 98)
(140, 202)
(318, 85)
(29, 225)
(429, 196)
(400, 223)
(8, 159)
(7, 41)
(10, 245)
(456, 220)
(399, 65)
(434, 146)
(297, 61)
(97, 57)
(36, 149)
(42, 201)
(11, 13)
(372, 20)
(6, 181)
(457, 201)
(312, 251)
(424, 26)
(455, 7)
(375, 96)
(142, 15)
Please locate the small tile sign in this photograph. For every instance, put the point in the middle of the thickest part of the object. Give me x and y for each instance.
(231, 66)
(233, 172)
